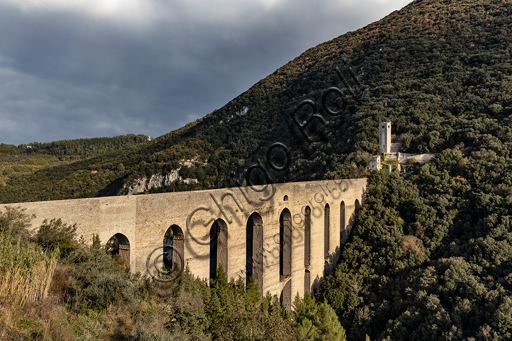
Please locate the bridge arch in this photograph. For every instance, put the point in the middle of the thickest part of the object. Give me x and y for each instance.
(307, 281)
(218, 247)
(173, 248)
(343, 224)
(120, 245)
(307, 237)
(254, 249)
(327, 230)
(285, 257)
(307, 249)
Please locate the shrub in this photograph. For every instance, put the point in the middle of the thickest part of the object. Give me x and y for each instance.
(56, 234)
(102, 279)
(157, 333)
(16, 223)
(102, 289)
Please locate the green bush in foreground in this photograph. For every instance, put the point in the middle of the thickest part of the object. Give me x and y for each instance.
(55, 234)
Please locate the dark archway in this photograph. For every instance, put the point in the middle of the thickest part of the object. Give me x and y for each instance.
(285, 259)
(307, 237)
(174, 247)
(307, 281)
(120, 245)
(357, 207)
(254, 249)
(218, 247)
(343, 224)
(327, 230)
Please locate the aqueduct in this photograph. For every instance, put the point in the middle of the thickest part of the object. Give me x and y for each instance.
(287, 236)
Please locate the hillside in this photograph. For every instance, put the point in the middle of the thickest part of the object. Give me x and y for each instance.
(28, 159)
(439, 70)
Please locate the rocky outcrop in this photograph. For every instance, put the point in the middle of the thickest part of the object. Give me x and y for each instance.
(145, 184)
(156, 181)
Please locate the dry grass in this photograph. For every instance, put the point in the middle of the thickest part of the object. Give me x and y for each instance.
(62, 281)
(45, 320)
(25, 272)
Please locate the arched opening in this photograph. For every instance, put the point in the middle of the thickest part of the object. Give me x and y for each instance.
(218, 247)
(307, 281)
(285, 198)
(285, 259)
(327, 228)
(343, 224)
(174, 247)
(254, 249)
(307, 237)
(357, 207)
(120, 245)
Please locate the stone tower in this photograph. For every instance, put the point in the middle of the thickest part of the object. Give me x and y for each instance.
(385, 137)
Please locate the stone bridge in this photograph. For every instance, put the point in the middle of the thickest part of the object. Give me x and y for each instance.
(287, 236)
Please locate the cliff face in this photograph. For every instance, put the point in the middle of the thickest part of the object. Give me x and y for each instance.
(144, 185)
(157, 181)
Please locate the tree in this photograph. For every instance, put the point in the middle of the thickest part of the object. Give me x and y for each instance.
(16, 223)
(313, 321)
(253, 291)
(185, 172)
(56, 234)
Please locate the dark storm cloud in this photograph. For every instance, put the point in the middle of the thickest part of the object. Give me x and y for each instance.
(71, 69)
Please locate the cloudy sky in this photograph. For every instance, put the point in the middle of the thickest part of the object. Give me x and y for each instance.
(89, 68)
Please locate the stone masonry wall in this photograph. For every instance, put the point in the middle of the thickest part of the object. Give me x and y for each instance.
(144, 219)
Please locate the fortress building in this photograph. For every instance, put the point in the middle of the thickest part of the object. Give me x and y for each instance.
(392, 152)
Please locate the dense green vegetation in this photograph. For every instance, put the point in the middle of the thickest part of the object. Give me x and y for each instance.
(93, 296)
(82, 148)
(24, 160)
(430, 256)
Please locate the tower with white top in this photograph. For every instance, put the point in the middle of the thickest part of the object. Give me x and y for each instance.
(385, 137)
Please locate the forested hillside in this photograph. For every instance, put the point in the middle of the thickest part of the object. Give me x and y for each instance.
(439, 70)
(79, 148)
(29, 158)
(430, 257)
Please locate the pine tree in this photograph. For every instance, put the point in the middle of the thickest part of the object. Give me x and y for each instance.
(313, 321)
(329, 325)
(96, 242)
(305, 313)
(253, 291)
(221, 280)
